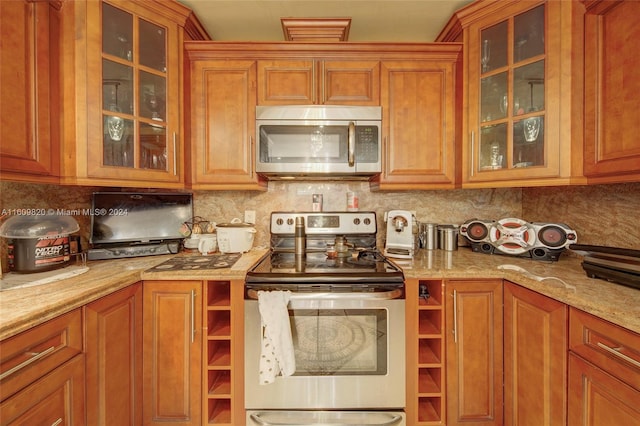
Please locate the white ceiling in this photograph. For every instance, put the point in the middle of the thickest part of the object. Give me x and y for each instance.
(371, 20)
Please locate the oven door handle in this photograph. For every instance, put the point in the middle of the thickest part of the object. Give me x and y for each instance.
(394, 420)
(381, 295)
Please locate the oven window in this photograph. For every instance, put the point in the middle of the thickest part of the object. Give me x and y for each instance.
(339, 342)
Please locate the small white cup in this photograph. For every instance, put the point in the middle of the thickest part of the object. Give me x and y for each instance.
(207, 243)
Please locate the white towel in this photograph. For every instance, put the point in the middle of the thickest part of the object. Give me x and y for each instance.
(277, 354)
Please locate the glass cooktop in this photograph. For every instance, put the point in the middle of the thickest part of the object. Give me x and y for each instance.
(318, 268)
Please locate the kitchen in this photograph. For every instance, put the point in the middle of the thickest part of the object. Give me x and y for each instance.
(612, 205)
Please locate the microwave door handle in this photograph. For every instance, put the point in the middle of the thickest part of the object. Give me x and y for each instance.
(351, 144)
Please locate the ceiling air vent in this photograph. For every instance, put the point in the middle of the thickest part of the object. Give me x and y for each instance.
(316, 29)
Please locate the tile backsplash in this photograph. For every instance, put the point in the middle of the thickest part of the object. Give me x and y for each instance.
(601, 214)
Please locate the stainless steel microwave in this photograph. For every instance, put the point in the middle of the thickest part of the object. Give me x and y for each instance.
(318, 141)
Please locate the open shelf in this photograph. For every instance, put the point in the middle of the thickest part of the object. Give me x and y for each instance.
(430, 410)
(219, 323)
(430, 393)
(218, 374)
(219, 382)
(430, 323)
(219, 294)
(219, 411)
(430, 352)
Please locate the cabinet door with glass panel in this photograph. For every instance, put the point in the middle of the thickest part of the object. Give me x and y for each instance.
(513, 73)
(133, 128)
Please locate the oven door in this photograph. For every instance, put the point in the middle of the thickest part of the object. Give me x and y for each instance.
(349, 350)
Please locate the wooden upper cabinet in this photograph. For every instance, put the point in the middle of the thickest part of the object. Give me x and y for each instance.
(223, 108)
(29, 147)
(122, 89)
(523, 64)
(612, 84)
(308, 82)
(419, 124)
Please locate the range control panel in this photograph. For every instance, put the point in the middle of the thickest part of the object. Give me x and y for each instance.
(319, 223)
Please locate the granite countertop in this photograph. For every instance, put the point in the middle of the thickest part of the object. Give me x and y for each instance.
(565, 280)
(21, 309)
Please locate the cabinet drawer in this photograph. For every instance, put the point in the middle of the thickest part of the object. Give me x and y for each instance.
(612, 348)
(29, 355)
(55, 399)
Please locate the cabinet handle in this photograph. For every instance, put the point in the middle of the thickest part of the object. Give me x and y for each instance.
(253, 157)
(193, 316)
(175, 155)
(473, 144)
(616, 352)
(57, 422)
(34, 357)
(455, 316)
(323, 92)
(314, 88)
(351, 144)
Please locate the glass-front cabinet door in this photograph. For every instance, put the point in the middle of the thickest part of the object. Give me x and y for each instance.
(513, 126)
(133, 113)
(511, 73)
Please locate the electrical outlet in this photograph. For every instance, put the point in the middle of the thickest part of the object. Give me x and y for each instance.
(250, 216)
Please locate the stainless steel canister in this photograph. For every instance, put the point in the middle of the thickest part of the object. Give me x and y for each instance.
(428, 234)
(448, 237)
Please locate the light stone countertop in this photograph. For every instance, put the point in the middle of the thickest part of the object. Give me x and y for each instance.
(21, 309)
(569, 283)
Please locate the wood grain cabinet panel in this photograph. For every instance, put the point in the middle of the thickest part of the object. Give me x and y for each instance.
(604, 372)
(598, 398)
(29, 146)
(172, 353)
(29, 355)
(418, 108)
(318, 81)
(284, 82)
(474, 352)
(42, 374)
(535, 362)
(113, 327)
(223, 110)
(55, 399)
(612, 83)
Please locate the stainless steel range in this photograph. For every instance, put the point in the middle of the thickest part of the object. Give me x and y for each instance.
(345, 311)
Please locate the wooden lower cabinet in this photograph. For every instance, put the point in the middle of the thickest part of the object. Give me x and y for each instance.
(473, 311)
(598, 398)
(113, 330)
(172, 353)
(604, 372)
(55, 399)
(535, 362)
